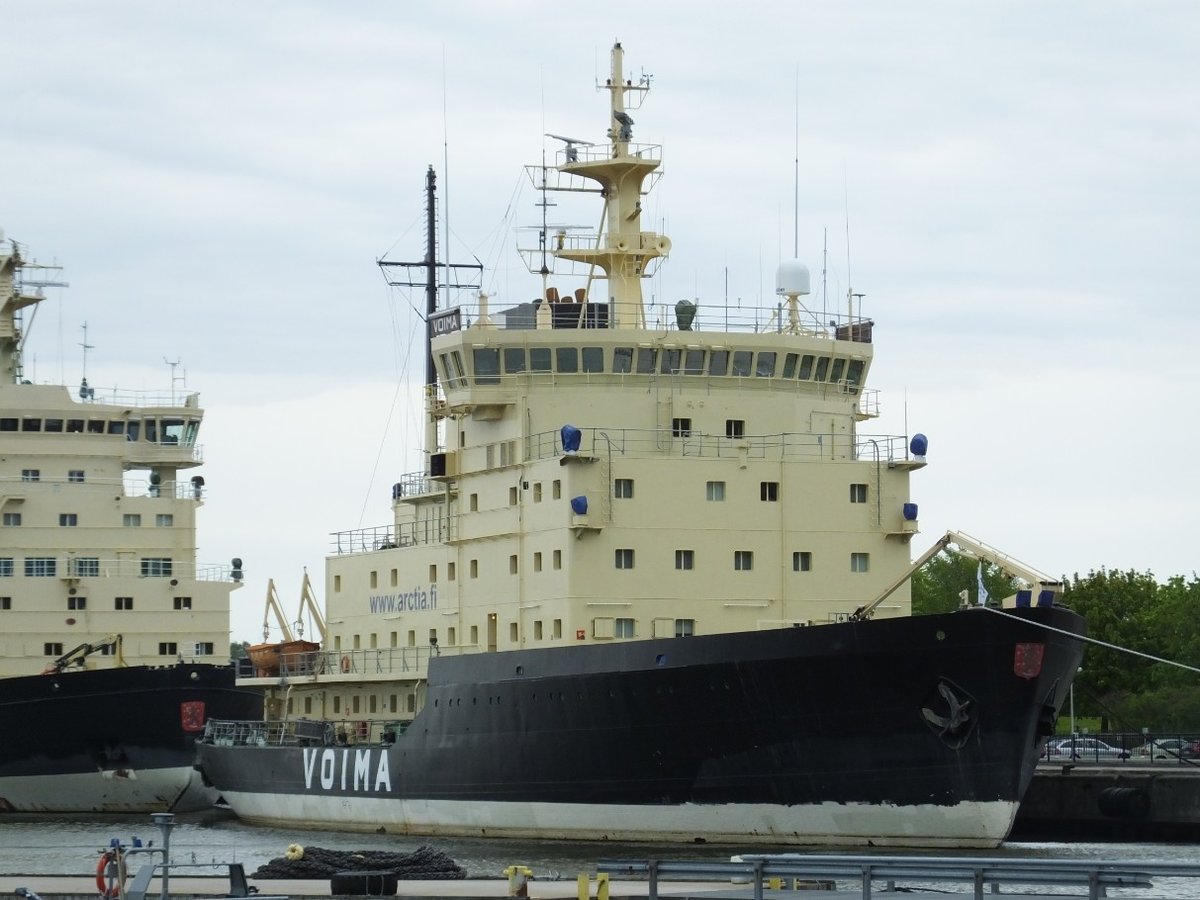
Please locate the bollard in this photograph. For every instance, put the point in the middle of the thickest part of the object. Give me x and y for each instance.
(584, 883)
(518, 880)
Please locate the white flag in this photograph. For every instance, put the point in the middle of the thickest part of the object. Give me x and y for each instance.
(983, 594)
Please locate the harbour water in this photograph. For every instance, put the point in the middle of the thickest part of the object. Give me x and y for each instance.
(58, 845)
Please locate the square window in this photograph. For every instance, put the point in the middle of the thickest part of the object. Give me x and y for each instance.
(6, 566)
(183, 602)
(132, 520)
(68, 520)
(768, 491)
(743, 560)
(735, 428)
(681, 427)
(860, 562)
(156, 567)
(624, 558)
(685, 627)
(12, 518)
(714, 490)
(168, 648)
(858, 493)
(5, 602)
(802, 561)
(52, 649)
(164, 520)
(41, 566)
(31, 474)
(122, 603)
(203, 648)
(623, 488)
(86, 567)
(685, 559)
(623, 628)
(75, 476)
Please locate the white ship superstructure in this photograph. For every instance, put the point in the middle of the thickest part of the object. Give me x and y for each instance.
(720, 482)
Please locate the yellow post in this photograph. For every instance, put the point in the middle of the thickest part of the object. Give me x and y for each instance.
(582, 889)
(602, 886)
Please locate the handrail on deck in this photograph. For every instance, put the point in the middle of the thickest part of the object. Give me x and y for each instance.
(1096, 875)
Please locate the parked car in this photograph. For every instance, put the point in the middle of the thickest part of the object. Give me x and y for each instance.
(1163, 748)
(1083, 748)
(1190, 750)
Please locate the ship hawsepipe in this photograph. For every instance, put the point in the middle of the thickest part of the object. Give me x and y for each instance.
(111, 740)
(910, 731)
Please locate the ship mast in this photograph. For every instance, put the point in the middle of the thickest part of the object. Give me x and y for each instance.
(624, 251)
(428, 267)
(16, 293)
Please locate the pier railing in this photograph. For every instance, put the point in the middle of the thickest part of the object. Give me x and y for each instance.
(892, 871)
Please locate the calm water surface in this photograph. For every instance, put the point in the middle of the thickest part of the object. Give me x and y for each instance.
(54, 845)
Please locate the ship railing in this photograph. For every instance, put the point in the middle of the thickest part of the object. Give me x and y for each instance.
(302, 732)
(767, 315)
(101, 396)
(130, 487)
(75, 566)
(601, 442)
(391, 661)
(389, 537)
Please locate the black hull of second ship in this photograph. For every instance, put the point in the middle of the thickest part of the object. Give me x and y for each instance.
(112, 740)
(920, 731)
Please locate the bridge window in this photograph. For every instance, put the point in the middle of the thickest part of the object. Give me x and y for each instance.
(789, 364)
(822, 368)
(622, 360)
(806, 367)
(693, 362)
(593, 359)
(568, 359)
(766, 364)
(854, 372)
(514, 360)
(487, 365)
(718, 362)
(743, 361)
(670, 361)
(539, 359)
(645, 360)
(839, 366)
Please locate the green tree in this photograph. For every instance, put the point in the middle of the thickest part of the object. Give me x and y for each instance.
(938, 585)
(238, 649)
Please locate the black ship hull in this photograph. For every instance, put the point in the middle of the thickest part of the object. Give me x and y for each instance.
(112, 740)
(919, 731)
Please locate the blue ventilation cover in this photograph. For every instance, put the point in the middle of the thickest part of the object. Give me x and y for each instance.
(570, 439)
(910, 512)
(1045, 598)
(579, 505)
(919, 444)
(1024, 599)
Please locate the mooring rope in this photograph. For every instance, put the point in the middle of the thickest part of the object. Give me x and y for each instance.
(1091, 640)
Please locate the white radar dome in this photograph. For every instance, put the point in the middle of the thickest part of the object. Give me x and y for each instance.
(791, 278)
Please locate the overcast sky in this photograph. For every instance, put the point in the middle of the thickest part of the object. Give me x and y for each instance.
(1018, 180)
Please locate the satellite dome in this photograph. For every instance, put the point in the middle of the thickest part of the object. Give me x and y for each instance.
(792, 278)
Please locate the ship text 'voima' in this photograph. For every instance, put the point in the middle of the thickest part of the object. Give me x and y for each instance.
(410, 601)
(346, 769)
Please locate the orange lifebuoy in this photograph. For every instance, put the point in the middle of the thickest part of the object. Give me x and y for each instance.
(109, 885)
(346, 663)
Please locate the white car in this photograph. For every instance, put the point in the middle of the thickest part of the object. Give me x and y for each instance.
(1083, 748)
(1167, 748)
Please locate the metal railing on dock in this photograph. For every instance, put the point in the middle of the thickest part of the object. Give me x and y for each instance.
(867, 871)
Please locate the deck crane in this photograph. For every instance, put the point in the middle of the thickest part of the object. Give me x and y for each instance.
(1049, 589)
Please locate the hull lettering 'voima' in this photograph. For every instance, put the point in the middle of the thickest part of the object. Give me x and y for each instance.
(114, 645)
(652, 585)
